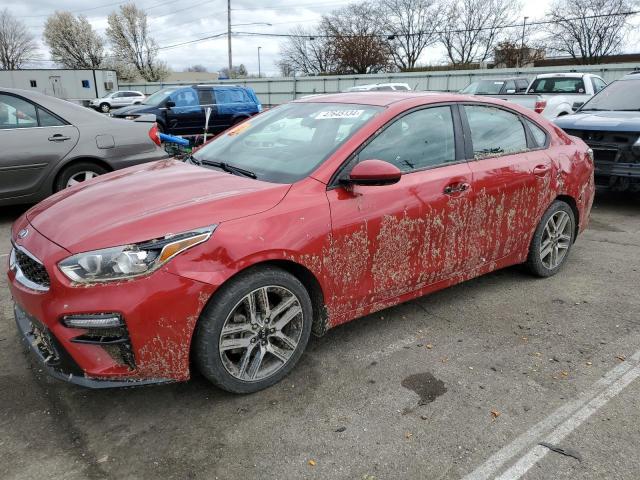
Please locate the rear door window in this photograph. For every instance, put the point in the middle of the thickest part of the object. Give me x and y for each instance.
(206, 97)
(494, 131)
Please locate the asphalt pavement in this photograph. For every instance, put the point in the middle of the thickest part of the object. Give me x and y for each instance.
(464, 383)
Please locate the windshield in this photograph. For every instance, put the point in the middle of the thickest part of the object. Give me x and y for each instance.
(557, 85)
(287, 143)
(620, 95)
(157, 98)
(483, 87)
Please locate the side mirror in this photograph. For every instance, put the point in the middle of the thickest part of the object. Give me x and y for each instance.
(511, 90)
(374, 172)
(170, 104)
(577, 105)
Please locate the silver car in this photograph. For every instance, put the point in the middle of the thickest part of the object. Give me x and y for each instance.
(121, 98)
(49, 144)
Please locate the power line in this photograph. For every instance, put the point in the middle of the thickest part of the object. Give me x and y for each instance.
(436, 32)
(101, 6)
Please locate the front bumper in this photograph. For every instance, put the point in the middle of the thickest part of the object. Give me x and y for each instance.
(160, 312)
(55, 360)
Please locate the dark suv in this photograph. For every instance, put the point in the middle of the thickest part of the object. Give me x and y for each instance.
(181, 110)
(610, 124)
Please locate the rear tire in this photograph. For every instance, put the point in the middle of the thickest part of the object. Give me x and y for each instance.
(77, 173)
(241, 352)
(552, 240)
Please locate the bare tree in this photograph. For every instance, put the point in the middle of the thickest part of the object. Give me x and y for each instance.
(196, 68)
(413, 25)
(132, 43)
(472, 28)
(286, 69)
(17, 45)
(308, 53)
(239, 71)
(72, 42)
(588, 30)
(358, 39)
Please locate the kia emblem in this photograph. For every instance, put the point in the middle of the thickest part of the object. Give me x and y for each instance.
(23, 233)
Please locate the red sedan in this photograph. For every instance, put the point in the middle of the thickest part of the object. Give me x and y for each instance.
(297, 220)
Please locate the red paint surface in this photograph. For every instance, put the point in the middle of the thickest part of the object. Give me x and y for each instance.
(369, 247)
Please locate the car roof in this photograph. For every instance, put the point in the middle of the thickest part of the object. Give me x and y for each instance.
(500, 79)
(71, 112)
(385, 98)
(570, 75)
(635, 75)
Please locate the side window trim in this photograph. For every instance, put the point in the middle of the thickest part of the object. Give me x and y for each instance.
(458, 139)
(526, 121)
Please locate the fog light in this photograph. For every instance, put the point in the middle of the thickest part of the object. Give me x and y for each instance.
(97, 320)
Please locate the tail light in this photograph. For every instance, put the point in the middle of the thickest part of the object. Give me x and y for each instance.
(154, 134)
(540, 106)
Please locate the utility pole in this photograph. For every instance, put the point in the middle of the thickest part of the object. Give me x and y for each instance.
(259, 70)
(521, 56)
(229, 35)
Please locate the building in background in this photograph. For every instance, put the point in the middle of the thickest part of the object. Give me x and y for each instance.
(78, 86)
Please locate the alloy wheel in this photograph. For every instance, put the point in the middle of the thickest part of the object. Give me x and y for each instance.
(556, 239)
(261, 333)
(80, 177)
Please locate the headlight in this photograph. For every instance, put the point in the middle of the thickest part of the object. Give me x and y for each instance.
(130, 261)
(636, 147)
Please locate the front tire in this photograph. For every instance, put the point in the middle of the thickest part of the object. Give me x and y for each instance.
(105, 107)
(552, 240)
(253, 331)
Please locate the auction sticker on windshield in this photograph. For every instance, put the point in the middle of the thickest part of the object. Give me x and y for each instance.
(339, 114)
(239, 129)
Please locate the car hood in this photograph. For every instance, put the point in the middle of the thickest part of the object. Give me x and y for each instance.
(610, 121)
(132, 109)
(148, 201)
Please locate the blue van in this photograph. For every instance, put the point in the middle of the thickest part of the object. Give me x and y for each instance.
(181, 110)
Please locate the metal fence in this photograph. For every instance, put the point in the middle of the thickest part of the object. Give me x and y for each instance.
(274, 91)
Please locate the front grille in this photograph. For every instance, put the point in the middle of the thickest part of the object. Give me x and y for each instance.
(603, 137)
(32, 269)
(601, 155)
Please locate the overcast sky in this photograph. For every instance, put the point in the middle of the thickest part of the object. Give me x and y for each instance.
(173, 22)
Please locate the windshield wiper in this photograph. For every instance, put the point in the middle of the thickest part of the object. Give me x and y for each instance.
(224, 166)
(594, 110)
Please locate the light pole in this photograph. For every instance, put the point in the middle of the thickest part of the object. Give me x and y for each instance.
(521, 56)
(229, 33)
(259, 70)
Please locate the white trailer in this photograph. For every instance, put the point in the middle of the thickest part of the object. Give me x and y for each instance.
(79, 86)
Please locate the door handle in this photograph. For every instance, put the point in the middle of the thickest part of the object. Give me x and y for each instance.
(58, 138)
(541, 170)
(456, 188)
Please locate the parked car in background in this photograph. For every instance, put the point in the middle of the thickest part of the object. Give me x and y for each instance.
(121, 98)
(181, 110)
(303, 218)
(49, 144)
(610, 124)
(497, 86)
(557, 94)
(381, 87)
